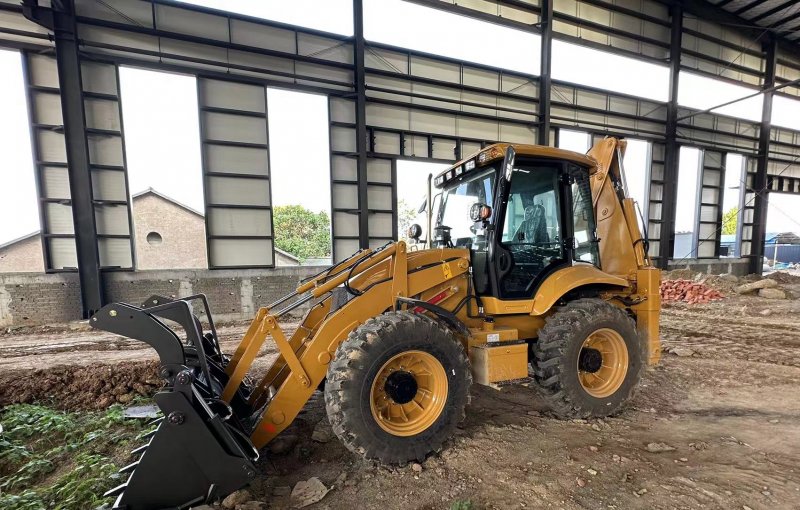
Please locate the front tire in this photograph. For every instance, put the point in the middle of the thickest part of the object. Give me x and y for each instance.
(397, 388)
(588, 359)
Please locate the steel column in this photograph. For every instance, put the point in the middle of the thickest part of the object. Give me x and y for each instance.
(361, 122)
(545, 83)
(61, 20)
(761, 179)
(671, 153)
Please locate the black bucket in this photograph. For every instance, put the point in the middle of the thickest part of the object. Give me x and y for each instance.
(199, 451)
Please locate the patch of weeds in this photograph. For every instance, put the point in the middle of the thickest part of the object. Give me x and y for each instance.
(83, 486)
(28, 500)
(463, 505)
(58, 460)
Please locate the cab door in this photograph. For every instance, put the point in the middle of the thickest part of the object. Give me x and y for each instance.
(528, 227)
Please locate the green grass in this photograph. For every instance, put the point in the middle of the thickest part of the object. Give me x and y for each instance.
(462, 505)
(58, 460)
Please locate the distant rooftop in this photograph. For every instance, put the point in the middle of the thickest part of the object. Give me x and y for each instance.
(153, 191)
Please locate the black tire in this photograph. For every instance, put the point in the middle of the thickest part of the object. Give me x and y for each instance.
(357, 363)
(557, 350)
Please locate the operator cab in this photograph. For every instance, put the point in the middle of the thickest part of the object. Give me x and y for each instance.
(523, 211)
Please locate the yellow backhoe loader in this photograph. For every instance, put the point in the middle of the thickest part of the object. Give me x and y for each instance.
(535, 269)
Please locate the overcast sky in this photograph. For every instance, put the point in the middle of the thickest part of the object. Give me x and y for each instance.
(162, 134)
(300, 154)
(160, 113)
(19, 214)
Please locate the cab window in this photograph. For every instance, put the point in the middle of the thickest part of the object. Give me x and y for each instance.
(456, 203)
(531, 229)
(584, 227)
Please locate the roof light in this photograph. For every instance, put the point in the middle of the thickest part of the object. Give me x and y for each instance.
(459, 170)
(469, 165)
(489, 154)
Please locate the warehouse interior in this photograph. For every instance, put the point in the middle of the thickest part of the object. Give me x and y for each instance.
(559, 74)
(165, 147)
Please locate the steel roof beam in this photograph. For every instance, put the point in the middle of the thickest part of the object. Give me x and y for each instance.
(774, 10)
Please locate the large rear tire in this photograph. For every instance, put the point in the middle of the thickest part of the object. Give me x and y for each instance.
(588, 359)
(397, 388)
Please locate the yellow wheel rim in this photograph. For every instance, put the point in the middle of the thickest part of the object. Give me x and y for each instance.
(409, 393)
(602, 363)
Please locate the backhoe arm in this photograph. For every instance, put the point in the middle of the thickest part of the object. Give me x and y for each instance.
(621, 245)
(622, 249)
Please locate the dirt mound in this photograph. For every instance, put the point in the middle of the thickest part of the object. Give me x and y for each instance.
(679, 274)
(91, 387)
(722, 283)
(784, 278)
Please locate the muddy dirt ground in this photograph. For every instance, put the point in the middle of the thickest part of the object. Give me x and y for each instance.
(725, 403)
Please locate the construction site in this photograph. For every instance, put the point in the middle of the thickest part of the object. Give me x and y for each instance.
(399, 254)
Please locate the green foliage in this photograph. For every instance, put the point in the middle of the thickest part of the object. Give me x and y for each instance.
(28, 500)
(730, 220)
(25, 421)
(58, 460)
(462, 505)
(83, 486)
(303, 233)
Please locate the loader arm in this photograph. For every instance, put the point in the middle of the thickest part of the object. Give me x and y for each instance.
(377, 280)
(215, 418)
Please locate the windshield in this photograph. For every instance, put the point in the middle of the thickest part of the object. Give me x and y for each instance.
(456, 203)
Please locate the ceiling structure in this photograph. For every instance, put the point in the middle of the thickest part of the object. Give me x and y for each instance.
(386, 103)
(781, 17)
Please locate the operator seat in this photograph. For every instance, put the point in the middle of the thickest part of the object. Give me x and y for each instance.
(533, 229)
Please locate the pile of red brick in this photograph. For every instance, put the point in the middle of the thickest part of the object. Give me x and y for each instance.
(688, 291)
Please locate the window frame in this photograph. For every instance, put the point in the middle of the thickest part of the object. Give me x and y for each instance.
(564, 203)
(571, 170)
(489, 171)
(698, 190)
(740, 203)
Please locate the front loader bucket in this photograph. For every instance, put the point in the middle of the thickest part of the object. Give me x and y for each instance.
(199, 450)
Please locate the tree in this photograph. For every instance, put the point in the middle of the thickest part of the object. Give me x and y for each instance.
(729, 220)
(303, 233)
(406, 215)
